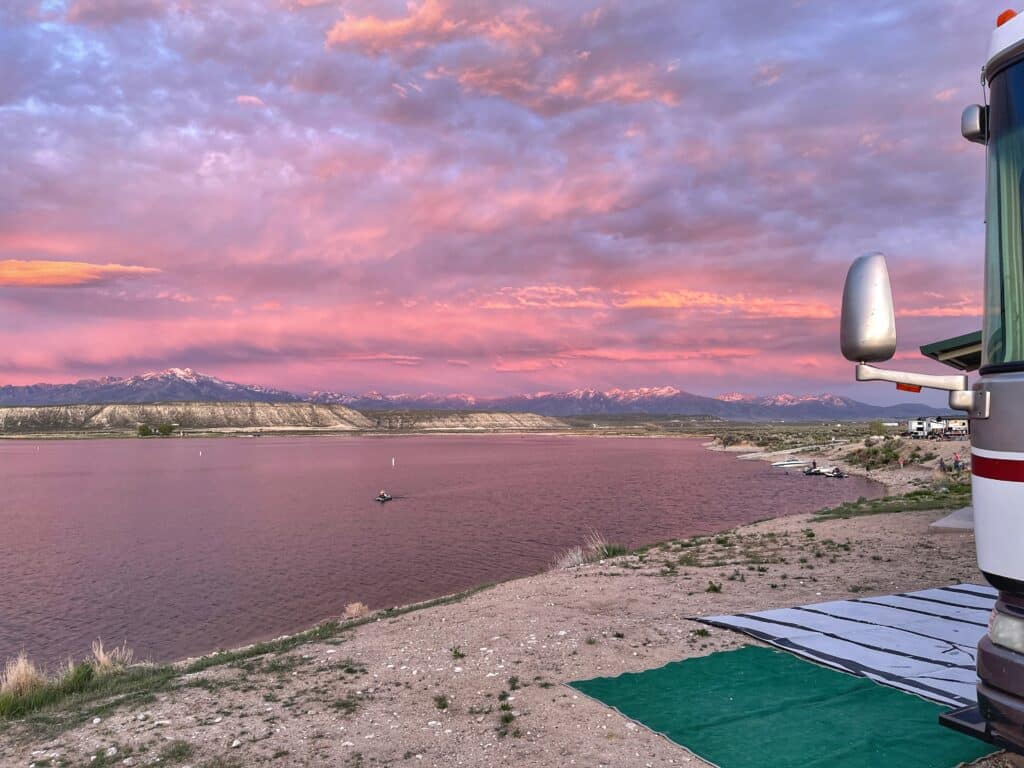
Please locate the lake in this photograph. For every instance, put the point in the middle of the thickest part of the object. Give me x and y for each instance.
(182, 546)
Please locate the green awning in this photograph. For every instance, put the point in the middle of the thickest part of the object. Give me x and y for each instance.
(960, 352)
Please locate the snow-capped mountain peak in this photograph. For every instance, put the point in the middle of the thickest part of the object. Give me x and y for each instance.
(186, 384)
(736, 397)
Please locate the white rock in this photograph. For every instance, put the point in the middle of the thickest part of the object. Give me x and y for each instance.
(111, 751)
(236, 744)
(97, 720)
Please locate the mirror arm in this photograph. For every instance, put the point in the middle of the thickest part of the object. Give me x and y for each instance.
(952, 383)
(974, 402)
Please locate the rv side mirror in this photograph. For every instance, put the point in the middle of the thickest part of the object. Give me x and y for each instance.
(867, 332)
(974, 124)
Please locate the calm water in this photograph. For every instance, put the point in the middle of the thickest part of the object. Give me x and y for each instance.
(182, 546)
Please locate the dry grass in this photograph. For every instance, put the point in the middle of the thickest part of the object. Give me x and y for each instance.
(595, 544)
(20, 677)
(595, 547)
(105, 662)
(355, 610)
(571, 558)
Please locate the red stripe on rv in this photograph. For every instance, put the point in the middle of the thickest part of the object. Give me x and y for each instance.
(1010, 470)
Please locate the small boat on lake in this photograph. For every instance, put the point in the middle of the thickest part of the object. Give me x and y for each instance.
(383, 497)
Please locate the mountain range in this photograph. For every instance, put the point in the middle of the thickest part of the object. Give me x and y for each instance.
(186, 385)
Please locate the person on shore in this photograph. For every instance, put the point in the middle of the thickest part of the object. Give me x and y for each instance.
(942, 465)
(814, 463)
(901, 462)
(957, 464)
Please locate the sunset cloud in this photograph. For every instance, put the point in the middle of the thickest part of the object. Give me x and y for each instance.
(46, 274)
(424, 23)
(452, 195)
(754, 306)
(113, 11)
(249, 100)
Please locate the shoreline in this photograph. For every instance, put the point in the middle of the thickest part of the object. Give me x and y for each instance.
(912, 476)
(375, 687)
(259, 638)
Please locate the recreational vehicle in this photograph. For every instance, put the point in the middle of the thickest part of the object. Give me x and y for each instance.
(995, 403)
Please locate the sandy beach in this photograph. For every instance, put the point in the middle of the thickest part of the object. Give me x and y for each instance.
(429, 686)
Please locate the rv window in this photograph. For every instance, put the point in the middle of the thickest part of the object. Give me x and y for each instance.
(1004, 241)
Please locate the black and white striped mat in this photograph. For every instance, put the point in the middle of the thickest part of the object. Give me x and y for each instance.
(922, 642)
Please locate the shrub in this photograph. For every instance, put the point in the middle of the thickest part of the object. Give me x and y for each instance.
(598, 548)
(77, 676)
(876, 455)
(176, 751)
(356, 610)
(441, 702)
(595, 547)
(571, 558)
(20, 677)
(145, 430)
(165, 429)
(105, 662)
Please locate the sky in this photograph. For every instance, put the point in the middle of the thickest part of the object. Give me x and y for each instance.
(494, 198)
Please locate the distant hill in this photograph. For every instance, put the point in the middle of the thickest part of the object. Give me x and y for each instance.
(172, 385)
(221, 416)
(186, 385)
(649, 400)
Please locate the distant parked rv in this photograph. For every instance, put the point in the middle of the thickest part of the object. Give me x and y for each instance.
(957, 427)
(938, 427)
(917, 428)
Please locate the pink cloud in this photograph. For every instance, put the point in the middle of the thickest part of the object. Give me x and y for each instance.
(249, 100)
(100, 12)
(425, 23)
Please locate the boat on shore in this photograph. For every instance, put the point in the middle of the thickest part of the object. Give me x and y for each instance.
(824, 472)
(789, 463)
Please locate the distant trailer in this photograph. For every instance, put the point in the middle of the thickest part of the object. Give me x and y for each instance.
(957, 428)
(918, 427)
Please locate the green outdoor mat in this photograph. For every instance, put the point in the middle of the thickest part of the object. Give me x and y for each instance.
(759, 708)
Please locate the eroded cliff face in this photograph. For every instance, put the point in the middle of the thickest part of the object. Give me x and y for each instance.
(248, 416)
(460, 421)
(189, 416)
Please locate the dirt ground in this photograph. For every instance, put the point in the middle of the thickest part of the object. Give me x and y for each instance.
(481, 682)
